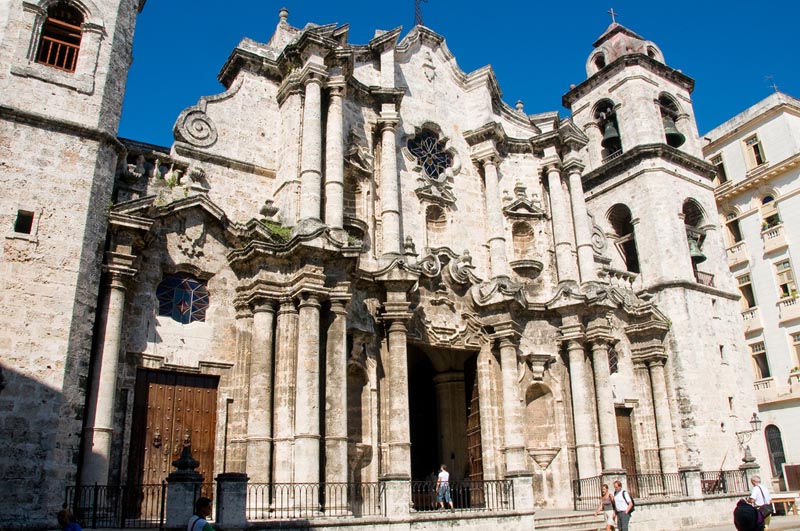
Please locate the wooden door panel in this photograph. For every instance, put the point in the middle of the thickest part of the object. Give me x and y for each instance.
(626, 448)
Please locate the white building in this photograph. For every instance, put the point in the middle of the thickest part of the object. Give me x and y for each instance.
(757, 155)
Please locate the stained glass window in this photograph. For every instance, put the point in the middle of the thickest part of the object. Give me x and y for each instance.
(182, 297)
(430, 154)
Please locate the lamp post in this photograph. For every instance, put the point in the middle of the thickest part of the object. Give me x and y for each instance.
(745, 436)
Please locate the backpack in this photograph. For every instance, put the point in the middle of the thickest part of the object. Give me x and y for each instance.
(633, 503)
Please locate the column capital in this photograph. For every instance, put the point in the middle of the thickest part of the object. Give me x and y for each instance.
(310, 298)
(118, 277)
(573, 165)
(263, 304)
(313, 73)
(552, 164)
(486, 155)
(572, 332)
(387, 121)
(337, 86)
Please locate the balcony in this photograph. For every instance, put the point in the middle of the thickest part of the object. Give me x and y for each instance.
(737, 254)
(706, 279)
(774, 238)
(789, 308)
(752, 320)
(765, 390)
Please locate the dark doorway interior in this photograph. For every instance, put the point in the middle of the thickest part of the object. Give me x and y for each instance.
(423, 415)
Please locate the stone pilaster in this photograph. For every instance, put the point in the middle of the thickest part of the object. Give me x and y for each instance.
(100, 409)
(399, 426)
(284, 400)
(307, 392)
(582, 410)
(565, 262)
(494, 216)
(334, 157)
(336, 396)
(606, 417)
(259, 416)
(311, 156)
(390, 186)
(513, 430)
(583, 232)
(666, 439)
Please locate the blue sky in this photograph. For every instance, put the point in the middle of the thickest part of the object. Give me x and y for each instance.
(537, 49)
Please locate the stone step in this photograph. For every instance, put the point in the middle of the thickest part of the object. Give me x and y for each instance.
(570, 522)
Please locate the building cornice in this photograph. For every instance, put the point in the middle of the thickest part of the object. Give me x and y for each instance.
(756, 177)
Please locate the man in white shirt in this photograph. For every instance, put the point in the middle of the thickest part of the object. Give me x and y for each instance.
(761, 497)
(443, 488)
(622, 505)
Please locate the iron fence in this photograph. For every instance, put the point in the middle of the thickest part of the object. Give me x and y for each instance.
(267, 501)
(648, 486)
(467, 495)
(99, 506)
(724, 482)
(586, 493)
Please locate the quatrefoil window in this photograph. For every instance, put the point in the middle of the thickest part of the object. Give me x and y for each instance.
(431, 155)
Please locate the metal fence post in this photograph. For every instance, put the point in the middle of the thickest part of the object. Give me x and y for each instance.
(94, 507)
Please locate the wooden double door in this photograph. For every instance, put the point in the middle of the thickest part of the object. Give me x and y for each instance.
(171, 409)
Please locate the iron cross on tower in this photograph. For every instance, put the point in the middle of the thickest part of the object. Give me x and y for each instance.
(613, 15)
(418, 12)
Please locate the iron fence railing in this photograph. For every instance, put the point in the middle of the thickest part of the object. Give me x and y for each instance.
(723, 482)
(586, 493)
(467, 495)
(648, 486)
(111, 506)
(271, 501)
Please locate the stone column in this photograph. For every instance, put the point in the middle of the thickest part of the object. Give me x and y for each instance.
(259, 412)
(311, 157)
(452, 415)
(583, 232)
(390, 188)
(582, 412)
(283, 416)
(336, 397)
(100, 408)
(565, 264)
(399, 426)
(666, 439)
(513, 431)
(606, 417)
(494, 218)
(334, 157)
(307, 415)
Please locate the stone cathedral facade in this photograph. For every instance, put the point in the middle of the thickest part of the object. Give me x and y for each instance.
(354, 264)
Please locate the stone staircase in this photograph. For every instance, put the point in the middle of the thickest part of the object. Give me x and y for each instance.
(568, 521)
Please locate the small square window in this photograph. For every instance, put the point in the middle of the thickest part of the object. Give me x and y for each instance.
(24, 222)
(722, 177)
(755, 152)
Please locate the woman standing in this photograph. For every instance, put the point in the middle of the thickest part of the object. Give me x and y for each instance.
(607, 506)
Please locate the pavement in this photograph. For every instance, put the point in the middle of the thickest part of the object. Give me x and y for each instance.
(778, 523)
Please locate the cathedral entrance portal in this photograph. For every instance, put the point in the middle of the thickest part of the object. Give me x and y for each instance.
(443, 428)
(170, 409)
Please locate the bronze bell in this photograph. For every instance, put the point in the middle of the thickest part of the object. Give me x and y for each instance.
(611, 137)
(695, 253)
(674, 137)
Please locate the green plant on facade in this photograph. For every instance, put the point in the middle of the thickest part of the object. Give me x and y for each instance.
(276, 229)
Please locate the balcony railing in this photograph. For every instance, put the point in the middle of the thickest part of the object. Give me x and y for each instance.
(613, 156)
(774, 238)
(493, 495)
(763, 384)
(789, 308)
(737, 254)
(58, 54)
(706, 279)
(752, 320)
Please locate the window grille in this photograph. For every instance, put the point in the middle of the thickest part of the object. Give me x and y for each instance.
(775, 447)
(60, 40)
(431, 155)
(183, 298)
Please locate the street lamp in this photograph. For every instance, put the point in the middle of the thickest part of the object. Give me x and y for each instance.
(745, 436)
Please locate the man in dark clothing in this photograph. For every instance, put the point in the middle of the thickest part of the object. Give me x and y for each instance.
(747, 518)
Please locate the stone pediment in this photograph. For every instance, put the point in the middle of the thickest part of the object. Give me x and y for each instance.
(522, 206)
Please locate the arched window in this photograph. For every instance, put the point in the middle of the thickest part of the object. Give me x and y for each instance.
(769, 213)
(182, 297)
(431, 154)
(669, 116)
(60, 40)
(693, 220)
(600, 61)
(540, 417)
(775, 448)
(522, 235)
(606, 119)
(435, 225)
(621, 221)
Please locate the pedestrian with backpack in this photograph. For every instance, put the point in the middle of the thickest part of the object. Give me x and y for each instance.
(623, 505)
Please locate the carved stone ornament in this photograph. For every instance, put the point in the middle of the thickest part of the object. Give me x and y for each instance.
(522, 206)
(435, 161)
(537, 363)
(196, 128)
(543, 456)
(497, 290)
(358, 155)
(428, 67)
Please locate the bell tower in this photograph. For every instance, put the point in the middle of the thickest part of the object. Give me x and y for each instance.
(63, 68)
(652, 197)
